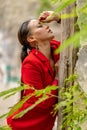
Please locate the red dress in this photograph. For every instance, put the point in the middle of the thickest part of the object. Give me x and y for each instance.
(37, 71)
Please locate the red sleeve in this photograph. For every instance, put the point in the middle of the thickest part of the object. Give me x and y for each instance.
(54, 45)
(31, 75)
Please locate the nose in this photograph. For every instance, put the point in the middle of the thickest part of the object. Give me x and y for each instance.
(47, 27)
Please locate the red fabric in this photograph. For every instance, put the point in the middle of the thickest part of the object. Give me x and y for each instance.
(37, 72)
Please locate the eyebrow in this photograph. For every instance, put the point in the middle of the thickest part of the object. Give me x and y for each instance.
(39, 23)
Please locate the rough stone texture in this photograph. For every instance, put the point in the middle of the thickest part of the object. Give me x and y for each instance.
(82, 20)
(81, 67)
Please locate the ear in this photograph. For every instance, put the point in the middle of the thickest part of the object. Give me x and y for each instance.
(31, 39)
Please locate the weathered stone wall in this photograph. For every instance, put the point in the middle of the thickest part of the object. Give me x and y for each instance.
(81, 65)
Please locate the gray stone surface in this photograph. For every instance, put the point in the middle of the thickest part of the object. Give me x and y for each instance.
(81, 67)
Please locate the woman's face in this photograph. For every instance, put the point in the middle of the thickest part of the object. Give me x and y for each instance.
(39, 31)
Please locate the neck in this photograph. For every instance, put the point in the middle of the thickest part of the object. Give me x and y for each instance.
(45, 49)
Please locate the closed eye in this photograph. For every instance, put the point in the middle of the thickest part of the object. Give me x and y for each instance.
(41, 24)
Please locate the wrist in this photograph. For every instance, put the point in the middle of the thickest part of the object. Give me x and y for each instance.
(57, 17)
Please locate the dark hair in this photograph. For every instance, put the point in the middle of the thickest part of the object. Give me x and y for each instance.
(23, 32)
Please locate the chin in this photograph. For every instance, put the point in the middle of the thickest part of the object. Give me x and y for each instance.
(52, 37)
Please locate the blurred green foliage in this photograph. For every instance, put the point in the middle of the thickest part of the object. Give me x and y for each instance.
(44, 5)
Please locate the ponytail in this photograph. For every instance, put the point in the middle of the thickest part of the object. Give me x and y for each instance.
(24, 53)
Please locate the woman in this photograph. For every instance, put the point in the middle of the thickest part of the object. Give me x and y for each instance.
(37, 71)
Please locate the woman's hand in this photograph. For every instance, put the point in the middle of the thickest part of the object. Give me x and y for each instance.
(48, 16)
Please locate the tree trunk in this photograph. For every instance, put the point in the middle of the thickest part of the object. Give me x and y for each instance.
(67, 60)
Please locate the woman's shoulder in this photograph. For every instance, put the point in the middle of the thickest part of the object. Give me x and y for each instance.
(31, 59)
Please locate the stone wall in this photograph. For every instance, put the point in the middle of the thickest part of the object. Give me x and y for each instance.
(81, 65)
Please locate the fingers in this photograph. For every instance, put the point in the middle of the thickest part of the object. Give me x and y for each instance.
(44, 17)
(48, 16)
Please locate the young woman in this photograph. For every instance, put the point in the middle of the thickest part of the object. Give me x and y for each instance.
(38, 71)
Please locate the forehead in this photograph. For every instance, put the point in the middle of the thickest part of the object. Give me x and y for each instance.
(33, 23)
